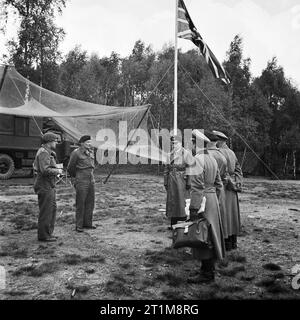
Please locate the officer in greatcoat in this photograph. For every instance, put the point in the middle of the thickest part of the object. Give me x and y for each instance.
(207, 184)
(214, 151)
(233, 185)
(176, 180)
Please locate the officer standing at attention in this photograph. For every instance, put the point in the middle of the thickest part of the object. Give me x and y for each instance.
(207, 183)
(46, 172)
(214, 151)
(233, 186)
(176, 180)
(81, 167)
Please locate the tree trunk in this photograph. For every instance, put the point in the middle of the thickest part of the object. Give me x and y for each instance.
(158, 166)
(244, 155)
(285, 163)
(125, 96)
(294, 164)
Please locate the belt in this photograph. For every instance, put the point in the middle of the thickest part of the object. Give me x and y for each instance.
(178, 169)
(85, 171)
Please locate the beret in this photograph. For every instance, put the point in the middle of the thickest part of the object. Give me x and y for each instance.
(84, 139)
(49, 137)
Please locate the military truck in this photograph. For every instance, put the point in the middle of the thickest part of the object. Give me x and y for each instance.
(20, 138)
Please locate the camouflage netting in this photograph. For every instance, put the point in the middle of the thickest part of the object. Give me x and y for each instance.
(22, 97)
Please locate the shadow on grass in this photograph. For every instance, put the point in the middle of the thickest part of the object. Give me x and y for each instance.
(231, 272)
(237, 257)
(173, 294)
(271, 266)
(23, 222)
(171, 279)
(37, 271)
(13, 249)
(167, 256)
(74, 259)
(15, 293)
(118, 286)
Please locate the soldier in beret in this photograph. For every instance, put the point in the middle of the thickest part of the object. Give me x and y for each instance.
(81, 169)
(46, 172)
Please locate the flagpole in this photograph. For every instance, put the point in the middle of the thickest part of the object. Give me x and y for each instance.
(175, 70)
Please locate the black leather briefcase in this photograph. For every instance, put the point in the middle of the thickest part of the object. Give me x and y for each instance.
(194, 234)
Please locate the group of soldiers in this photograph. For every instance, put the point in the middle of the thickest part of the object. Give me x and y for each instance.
(80, 168)
(218, 178)
(211, 171)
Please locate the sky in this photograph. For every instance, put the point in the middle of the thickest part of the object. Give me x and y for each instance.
(268, 27)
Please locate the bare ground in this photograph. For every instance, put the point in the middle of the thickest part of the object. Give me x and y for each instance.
(129, 255)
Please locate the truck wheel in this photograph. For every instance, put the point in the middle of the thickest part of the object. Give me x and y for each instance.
(7, 166)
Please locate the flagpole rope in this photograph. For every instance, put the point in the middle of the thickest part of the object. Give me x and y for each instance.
(154, 118)
(37, 125)
(229, 123)
(128, 141)
(151, 118)
(159, 82)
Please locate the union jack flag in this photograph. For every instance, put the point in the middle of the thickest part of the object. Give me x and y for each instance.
(187, 30)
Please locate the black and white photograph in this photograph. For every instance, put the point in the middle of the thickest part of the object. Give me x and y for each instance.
(149, 151)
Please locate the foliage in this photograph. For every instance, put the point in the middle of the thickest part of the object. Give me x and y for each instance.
(35, 53)
(264, 112)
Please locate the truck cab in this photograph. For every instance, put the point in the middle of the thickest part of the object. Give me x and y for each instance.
(20, 138)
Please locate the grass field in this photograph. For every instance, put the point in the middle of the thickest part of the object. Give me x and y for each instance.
(130, 255)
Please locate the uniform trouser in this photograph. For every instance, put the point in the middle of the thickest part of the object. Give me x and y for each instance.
(85, 200)
(47, 215)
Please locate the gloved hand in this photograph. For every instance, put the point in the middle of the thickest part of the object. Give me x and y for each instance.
(195, 215)
(201, 215)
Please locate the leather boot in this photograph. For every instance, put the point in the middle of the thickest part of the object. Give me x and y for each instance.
(203, 277)
(228, 244)
(234, 241)
(207, 273)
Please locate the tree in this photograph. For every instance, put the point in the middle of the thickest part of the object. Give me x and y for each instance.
(238, 68)
(249, 112)
(69, 74)
(135, 73)
(35, 53)
(111, 79)
(290, 145)
(284, 103)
